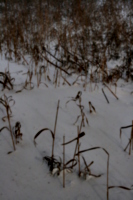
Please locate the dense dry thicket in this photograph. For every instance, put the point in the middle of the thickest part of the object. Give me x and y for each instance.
(84, 34)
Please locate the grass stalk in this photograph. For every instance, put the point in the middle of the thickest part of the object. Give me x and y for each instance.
(131, 140)
(5, 102)
(78, 149)
(105, 96)
(8, 117)
(111, 92)
(108, 178)
(63, 162)
(55, 128)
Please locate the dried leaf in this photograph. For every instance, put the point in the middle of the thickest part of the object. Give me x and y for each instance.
(42, 130)
(122, 187)
(80, 135)
(5, 127)
(124, 127)
(73, 161)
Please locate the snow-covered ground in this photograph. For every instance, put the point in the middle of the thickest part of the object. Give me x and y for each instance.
(25, 176)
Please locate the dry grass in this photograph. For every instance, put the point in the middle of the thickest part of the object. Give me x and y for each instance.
(79, 49)
(6, 81)
(6, 102)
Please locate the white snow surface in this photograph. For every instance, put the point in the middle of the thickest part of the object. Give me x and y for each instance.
(25, 176)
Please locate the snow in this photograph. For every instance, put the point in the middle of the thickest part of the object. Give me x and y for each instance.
(24, 175)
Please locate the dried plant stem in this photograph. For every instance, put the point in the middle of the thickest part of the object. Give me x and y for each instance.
(131, 140)
(105, 96)
(53, 56)
(66, 80)
(111, 91)
(108, 178)
(132, 134)
(94, 148)
(78, 148)
(81, 125)
(79, 131)
(56, 78)
(85, 84)
(124, 127)
(80, 135)
(55, 128)
(5, 101)
(75, 151)
(59, 79)
(76, 79)
(48, 61)
(115, 87)
(130, 143)
(90, 106)
(127, 146)
(23, 58)
(63, 162)
(8, 117)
